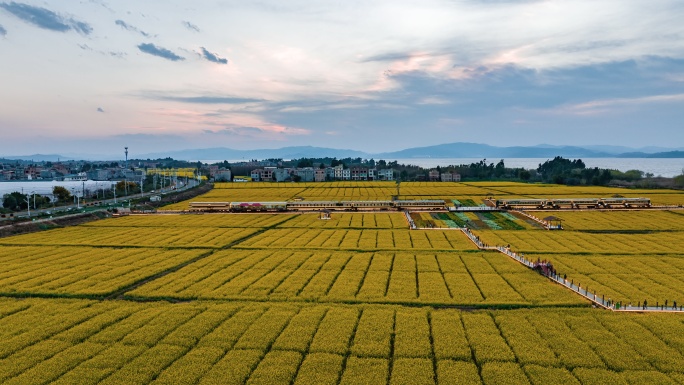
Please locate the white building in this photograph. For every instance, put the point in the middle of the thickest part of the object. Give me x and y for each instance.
(386, 174)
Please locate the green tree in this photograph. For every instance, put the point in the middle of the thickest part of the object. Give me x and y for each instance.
(61, 194)
(9, 202)
(15, 201)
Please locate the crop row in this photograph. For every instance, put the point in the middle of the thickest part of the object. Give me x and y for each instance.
(239, 192)
(81, 270)
(118, 342)
(350, 220)
(428, 278)
(132, 236)
(622, 220)
(579, 242)
(197, 221)
(353, 239)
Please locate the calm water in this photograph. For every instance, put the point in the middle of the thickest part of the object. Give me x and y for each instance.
(657, 166)
(45, 188)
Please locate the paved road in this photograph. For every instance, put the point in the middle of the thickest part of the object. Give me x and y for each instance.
(118, 202)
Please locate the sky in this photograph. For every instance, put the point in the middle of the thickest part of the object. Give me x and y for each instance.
(93, 76)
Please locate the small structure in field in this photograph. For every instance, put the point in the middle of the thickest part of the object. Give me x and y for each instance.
(324, 214)
(553, 223)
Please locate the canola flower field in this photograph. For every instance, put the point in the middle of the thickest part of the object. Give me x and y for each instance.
(473, 192)
(119, 342)
(627, 256)
(357, 299)
(355, 277)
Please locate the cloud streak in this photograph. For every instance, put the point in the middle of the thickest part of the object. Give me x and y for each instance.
(164, 53)
(46, 19)
(212, 57)
(3, 31)
(604, 105)
(204, 99)
(191, 26)
(131, 28)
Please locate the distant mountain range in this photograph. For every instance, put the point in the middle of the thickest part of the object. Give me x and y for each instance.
(449, 150)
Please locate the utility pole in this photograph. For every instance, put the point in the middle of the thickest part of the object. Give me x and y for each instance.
(126, 172)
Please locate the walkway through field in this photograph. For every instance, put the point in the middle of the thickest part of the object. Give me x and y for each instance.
(597, 299)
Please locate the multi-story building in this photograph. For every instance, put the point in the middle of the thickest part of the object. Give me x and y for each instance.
(433, 175)
(386, 174)
(263, 174)
(256, 175)
(359, 173)
(281, 174)
(223, 175)
(306, 174)
(319, 175)
(338, 171)
(329, 173)
(450, 177)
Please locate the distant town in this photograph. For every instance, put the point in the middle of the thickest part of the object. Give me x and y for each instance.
(153, 172)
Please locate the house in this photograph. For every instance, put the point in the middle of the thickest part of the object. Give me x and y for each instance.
(359, 173)
(433, 175)
(80, 177)
(450, 177)
(329, 173)
(263, 174)
(281, 174)
(346, 174)
(319, 175)
(256, 175)
(222, 175)
(306, 174)
(338, 171)
(386, 174)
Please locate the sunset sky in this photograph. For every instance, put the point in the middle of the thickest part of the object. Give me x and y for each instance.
(93, 76)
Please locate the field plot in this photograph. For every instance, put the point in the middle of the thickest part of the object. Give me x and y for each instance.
(79, 341)
(193, 220)
(81, 270)
(580, 242)
(352, 239)
(642, 220)
(360, 192)
(474, 220)
(469, 193)
(132, 236)
(546, 190)
(447, 279)
(660, 198)
(350, 220)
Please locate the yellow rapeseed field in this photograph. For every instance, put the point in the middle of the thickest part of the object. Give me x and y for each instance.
(360, 298)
